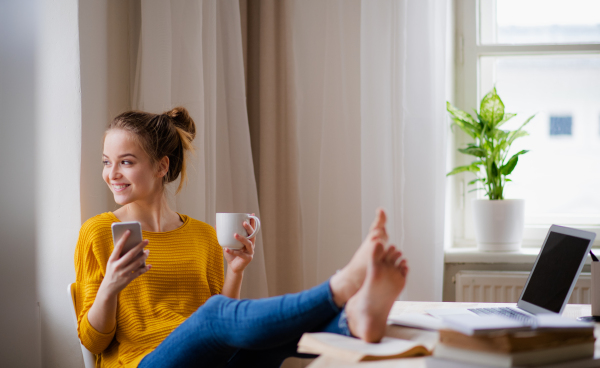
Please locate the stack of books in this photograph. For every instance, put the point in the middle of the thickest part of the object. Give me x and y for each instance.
(513, 347)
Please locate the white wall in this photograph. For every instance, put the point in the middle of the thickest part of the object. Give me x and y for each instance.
(18, 302)
(57, 163)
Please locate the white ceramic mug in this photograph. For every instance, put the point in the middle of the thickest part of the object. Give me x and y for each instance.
(232, 223)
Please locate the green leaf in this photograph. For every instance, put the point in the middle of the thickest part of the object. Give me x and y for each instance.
(482, 123)
(494, 172)
(466, 127)
(507, 117)
(474, 151)
(472, 168)
(475, 181)
(492, 108)
(527, 121)
(510, 165)
(465, 121)
(481, 119)
(459, 114)
(459, 169)
(521, 152)
(519, 132)
(499, 134)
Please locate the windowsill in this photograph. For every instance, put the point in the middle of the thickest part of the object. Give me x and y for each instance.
(472, 255)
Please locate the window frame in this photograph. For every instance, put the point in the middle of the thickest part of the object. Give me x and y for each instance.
(468, 51)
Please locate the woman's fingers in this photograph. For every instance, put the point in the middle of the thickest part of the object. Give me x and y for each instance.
(240, 253)
(140, 272)
(119, 246)
(136, 263)
(248, 245)
(249, 226)
(132, 253)
(250, 229)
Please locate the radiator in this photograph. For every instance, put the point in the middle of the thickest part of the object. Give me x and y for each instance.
(506, 287)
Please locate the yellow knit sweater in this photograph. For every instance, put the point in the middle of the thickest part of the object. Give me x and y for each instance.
(187, 269)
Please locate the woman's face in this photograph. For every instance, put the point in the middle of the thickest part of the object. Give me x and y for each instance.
(128, 170)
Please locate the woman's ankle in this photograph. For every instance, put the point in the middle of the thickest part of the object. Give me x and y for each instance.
(340, 288)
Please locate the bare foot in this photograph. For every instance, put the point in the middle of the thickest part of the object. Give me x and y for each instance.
(368, 309)
(346, 283)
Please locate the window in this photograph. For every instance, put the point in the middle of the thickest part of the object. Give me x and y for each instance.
(543, 57)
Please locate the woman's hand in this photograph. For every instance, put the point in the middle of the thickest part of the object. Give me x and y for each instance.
(120, 271)
(237, 260)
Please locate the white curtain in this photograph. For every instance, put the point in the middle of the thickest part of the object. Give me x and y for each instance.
(190, 54)
(371, 132)
(403, 130)
(326, 37)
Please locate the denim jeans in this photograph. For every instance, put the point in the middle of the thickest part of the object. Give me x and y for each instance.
(227, 332)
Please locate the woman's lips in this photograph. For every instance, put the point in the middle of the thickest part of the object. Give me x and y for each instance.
(119, 187)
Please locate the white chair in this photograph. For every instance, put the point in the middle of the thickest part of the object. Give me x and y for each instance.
(89, 358)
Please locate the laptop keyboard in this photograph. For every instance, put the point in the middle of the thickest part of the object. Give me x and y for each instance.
(505, 312)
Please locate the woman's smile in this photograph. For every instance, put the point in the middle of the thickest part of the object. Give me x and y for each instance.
(119, 187)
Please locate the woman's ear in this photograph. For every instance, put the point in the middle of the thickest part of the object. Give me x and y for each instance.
(163, 167)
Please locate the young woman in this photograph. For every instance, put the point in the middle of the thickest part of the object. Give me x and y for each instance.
(161, 307)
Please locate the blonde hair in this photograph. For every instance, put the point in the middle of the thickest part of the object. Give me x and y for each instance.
(168, 134)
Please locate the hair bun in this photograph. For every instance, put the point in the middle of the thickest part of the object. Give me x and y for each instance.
(181, 118)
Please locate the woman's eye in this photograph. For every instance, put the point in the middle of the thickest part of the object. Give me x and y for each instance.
(105, 162)
(126, 162)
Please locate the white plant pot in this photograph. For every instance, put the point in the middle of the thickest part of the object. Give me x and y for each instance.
(499, 224)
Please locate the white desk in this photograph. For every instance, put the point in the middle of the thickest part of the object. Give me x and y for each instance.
(430, 338)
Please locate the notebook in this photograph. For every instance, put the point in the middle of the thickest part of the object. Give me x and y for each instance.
(551, 281)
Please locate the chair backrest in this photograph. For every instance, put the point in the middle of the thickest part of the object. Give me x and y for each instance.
(89, 358)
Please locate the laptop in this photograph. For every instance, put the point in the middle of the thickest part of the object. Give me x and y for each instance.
(551, 281)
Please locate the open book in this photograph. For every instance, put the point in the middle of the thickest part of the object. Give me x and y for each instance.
(351, 350)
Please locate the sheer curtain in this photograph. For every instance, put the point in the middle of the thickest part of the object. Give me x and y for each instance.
(327, 55)
(403, 129)
(356, 90)
(189, 53)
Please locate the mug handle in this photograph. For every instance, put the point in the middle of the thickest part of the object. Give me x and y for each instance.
(257, 227)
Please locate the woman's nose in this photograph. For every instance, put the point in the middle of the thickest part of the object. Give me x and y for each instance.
(114, 172)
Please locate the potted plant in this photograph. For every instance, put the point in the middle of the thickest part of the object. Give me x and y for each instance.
(498, 222)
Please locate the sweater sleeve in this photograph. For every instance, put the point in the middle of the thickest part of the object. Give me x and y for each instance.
(89, 275)
(216, 268)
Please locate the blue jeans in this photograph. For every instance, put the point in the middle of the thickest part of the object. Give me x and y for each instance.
(227, 332)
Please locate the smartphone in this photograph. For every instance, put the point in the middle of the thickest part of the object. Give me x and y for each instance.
(135, 237)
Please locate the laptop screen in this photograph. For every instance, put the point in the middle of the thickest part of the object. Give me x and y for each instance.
(555, 271)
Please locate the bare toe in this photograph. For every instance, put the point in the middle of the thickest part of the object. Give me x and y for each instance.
(393, 259)
(379, 252)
